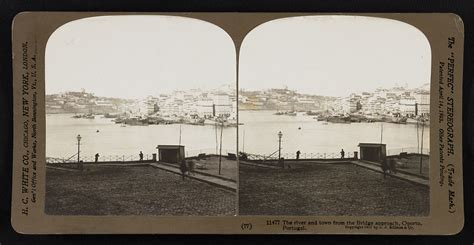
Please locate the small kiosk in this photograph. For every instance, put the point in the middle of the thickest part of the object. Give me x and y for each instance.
(372, 152)
(170, 153)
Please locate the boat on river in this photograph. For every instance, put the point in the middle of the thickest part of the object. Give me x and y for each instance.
(285, 113)
(398, 120)
(339, 119)
(136, 121)
(86, 116)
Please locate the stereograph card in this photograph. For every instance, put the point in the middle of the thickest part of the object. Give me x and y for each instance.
(237, 123)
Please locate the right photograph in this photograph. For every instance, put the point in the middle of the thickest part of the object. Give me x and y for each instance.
(334, 118)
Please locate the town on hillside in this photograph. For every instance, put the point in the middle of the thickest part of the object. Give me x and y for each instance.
(397, 104)
(194, 106)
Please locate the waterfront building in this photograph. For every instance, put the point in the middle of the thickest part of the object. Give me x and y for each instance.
(205, 108)
(422, 99)
(147, 106)
(305, 103)
(392, 106)
(104, 106)
(222, 105)
(407, 106)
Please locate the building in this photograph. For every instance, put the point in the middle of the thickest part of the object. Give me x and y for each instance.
(205, 108)
(422, 98)
(171, 153)
(148, 106)
(222, 105)
(372, 152)
(408, 106)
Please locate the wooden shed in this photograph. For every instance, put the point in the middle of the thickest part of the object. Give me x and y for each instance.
(373, 152)
(170, 153)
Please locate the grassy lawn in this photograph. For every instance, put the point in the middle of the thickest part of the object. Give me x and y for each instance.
(411, 164)
(210, 165)
(137, 190)
(328, 189)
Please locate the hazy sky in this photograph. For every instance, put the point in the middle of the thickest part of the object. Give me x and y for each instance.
(135, 56)
(334, 55)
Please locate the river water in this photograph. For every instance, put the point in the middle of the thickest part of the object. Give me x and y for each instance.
(258, 135)
(114, 140)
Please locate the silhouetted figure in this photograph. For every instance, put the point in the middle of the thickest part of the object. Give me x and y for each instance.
(96, 157)
(190, 165)
(281, 162)
(243, 156)
(141, 156)
(183, 168)
(298, 155)
(385, 167)
(342, 153)
(392, 166)
(80, 165)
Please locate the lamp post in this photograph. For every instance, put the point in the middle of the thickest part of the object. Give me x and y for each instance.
(421, 147)
(220, 147)
(279, 144)
(78, 147)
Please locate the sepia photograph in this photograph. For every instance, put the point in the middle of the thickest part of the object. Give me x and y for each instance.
(237, 123)
(334, 118)
(141, 118)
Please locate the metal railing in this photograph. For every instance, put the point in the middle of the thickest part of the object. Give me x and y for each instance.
(107, 158)
(303, 155)
(250, 156)
(129, 158)
(208, 151)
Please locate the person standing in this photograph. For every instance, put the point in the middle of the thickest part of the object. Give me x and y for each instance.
(183, 168)
(342, 153)
(96, 157)
(384, 166)
(298, 155)
(392, 166)
(141, 156)
(80, 165)
(281, 162)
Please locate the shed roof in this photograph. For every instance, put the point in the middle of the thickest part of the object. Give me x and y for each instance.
(370, 145)
(169, 146)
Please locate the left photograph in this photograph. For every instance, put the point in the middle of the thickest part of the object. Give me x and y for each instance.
(140, 118)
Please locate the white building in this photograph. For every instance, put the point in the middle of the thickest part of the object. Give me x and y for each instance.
(422, 98)
(407, 106)
(204, 108)
(222, 105)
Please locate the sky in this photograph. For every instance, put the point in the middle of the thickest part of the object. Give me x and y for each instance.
(135, 56)
(334, 55)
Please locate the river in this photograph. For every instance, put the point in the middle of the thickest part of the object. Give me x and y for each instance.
(258, 135)
(101, 135)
